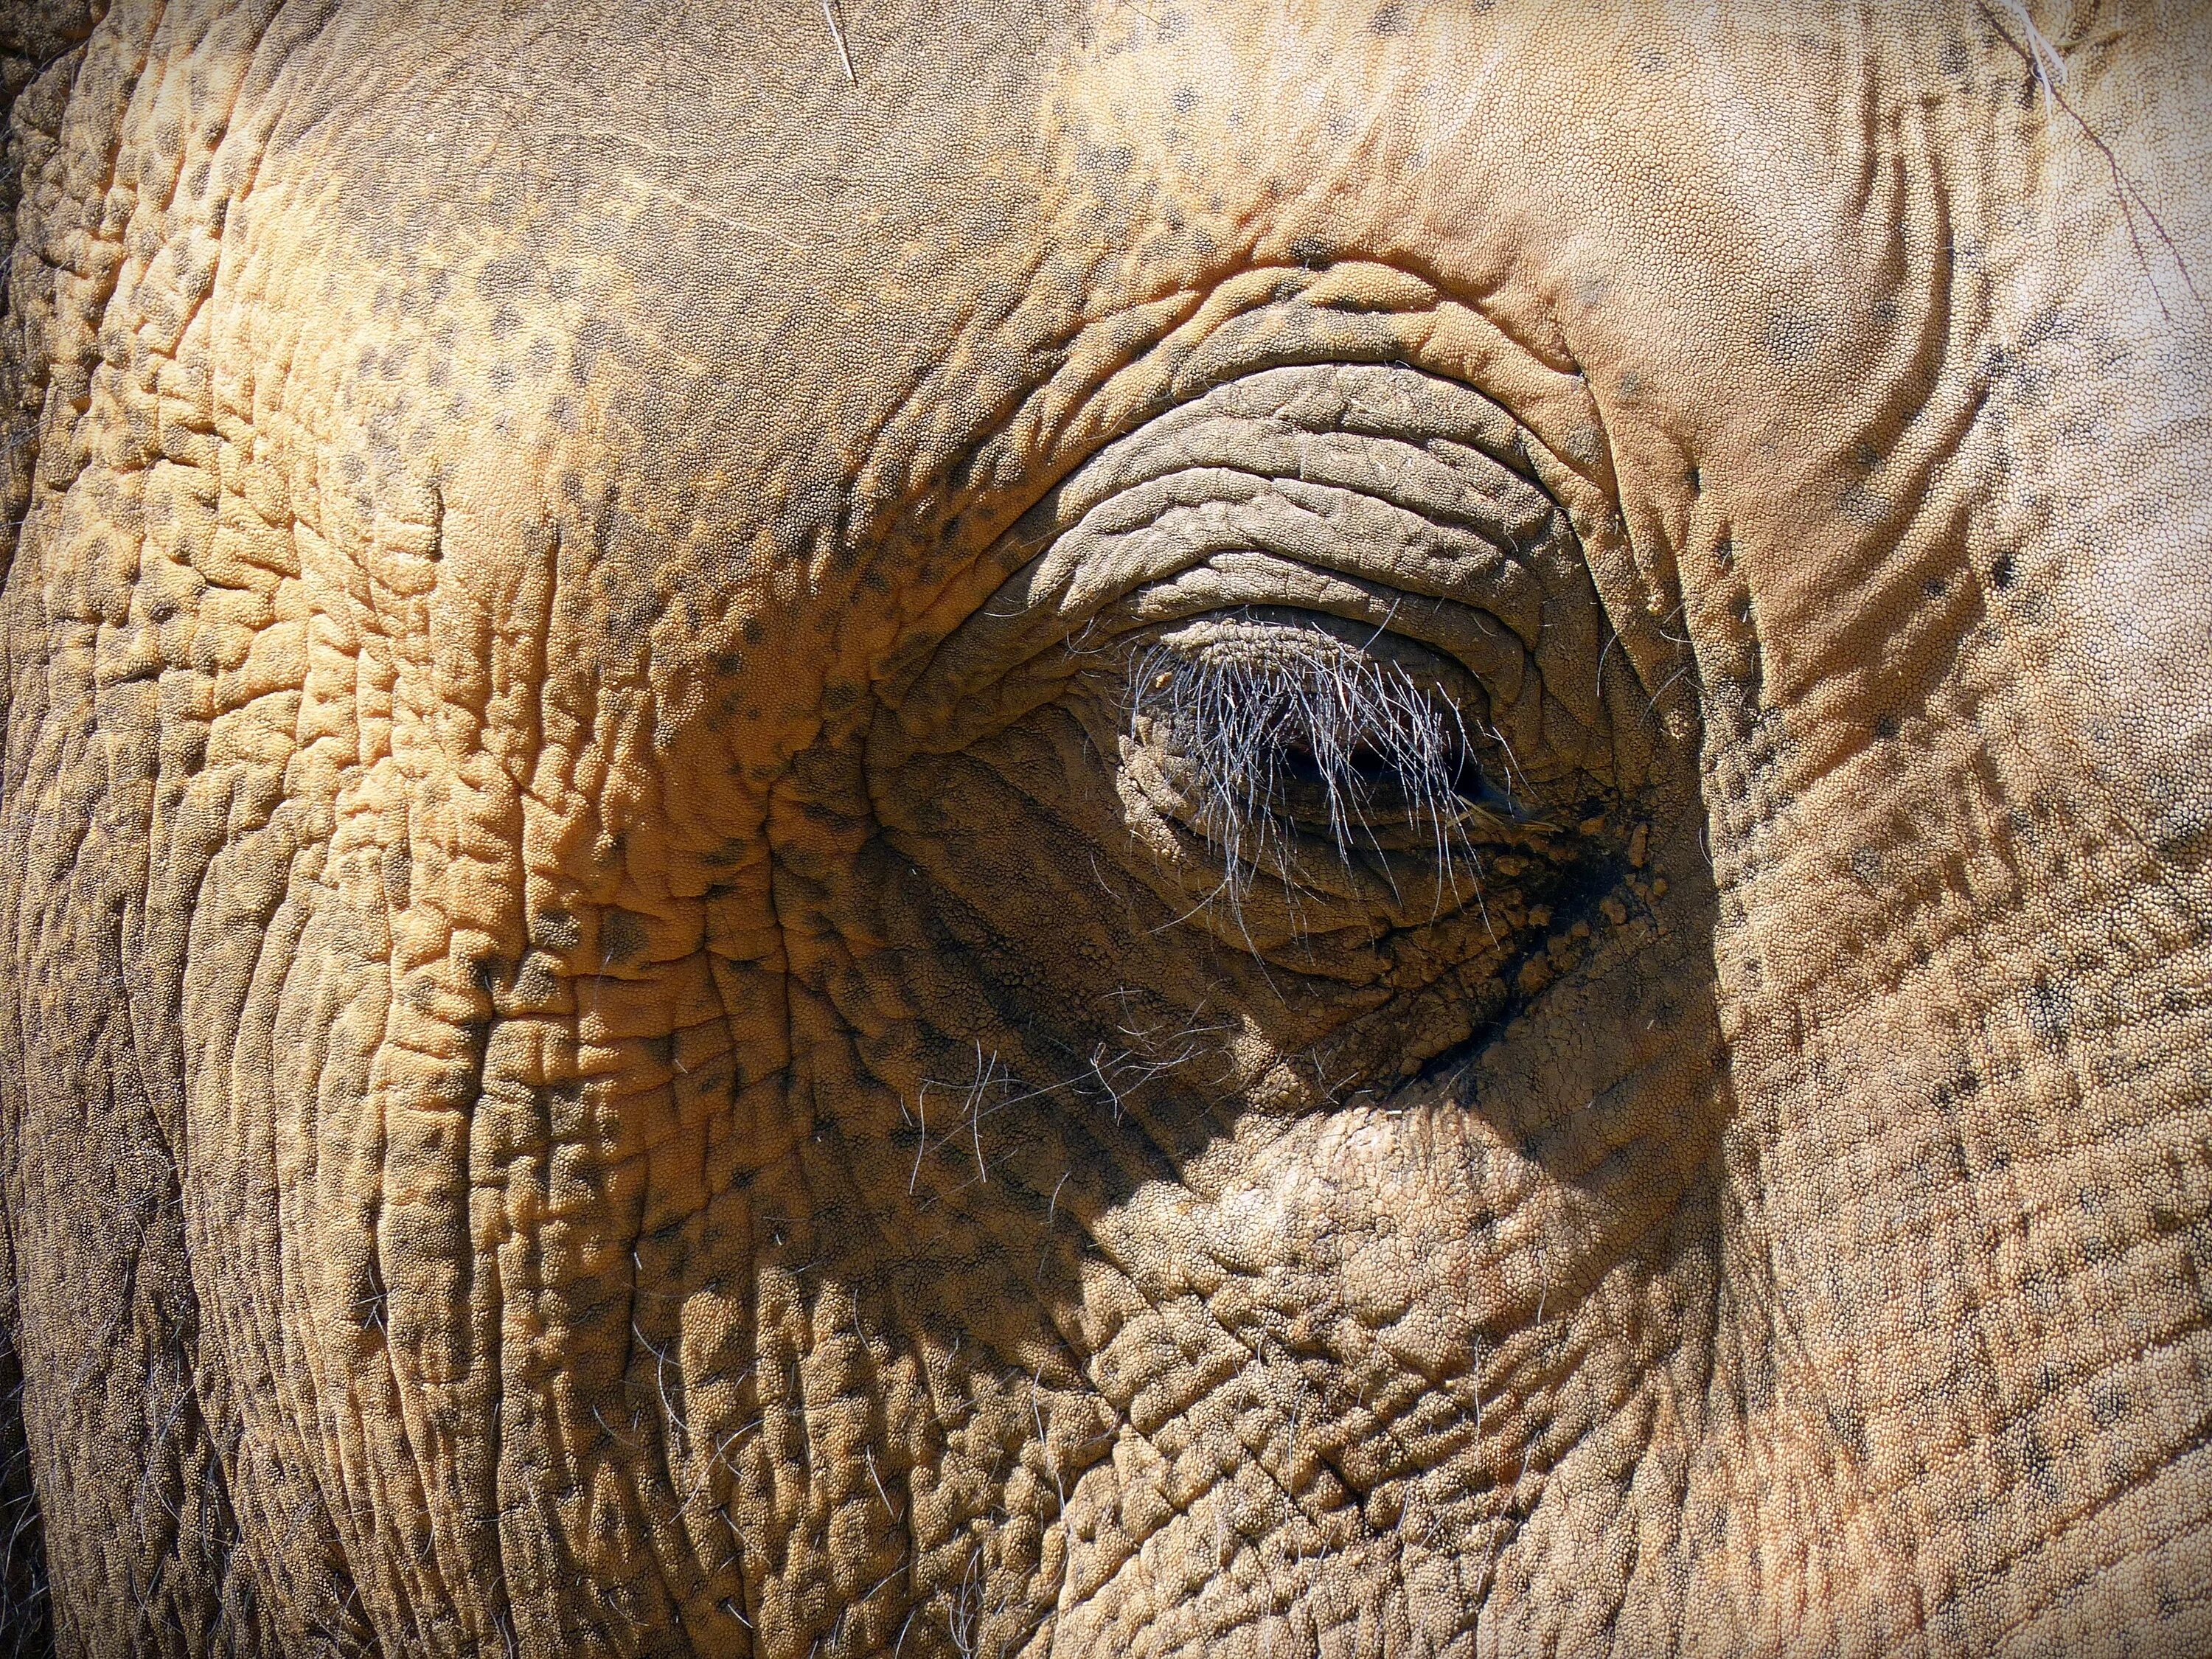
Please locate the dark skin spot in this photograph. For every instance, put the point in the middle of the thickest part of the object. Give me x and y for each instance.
(502, 276)
(1792, 338)
(557, 931)
(2050, 1015)
(398, 867)
(622, 935)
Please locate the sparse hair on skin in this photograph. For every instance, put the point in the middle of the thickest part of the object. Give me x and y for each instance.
(25, 1628)
(1290, 729)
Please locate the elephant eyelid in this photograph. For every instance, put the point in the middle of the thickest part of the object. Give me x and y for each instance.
(1358, 735)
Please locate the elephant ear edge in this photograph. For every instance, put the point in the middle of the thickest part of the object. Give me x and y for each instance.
(42, 45)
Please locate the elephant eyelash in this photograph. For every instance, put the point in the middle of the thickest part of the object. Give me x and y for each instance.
(1311, 721)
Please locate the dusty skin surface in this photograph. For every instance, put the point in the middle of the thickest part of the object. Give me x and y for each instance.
(647, 1006)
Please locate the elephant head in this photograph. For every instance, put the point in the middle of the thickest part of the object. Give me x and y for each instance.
(875, 828)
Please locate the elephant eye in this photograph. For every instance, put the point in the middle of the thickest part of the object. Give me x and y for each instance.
(1282, 741)
(1333, 640)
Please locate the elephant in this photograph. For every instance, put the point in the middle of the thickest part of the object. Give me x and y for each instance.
(908, 827)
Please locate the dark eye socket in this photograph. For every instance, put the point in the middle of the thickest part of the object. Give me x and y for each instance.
(1373, 765)
(1289, 733)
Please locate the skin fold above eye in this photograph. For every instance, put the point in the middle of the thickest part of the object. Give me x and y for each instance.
(1377, 495)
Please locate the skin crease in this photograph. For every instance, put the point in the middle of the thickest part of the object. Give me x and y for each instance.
(615, 1042)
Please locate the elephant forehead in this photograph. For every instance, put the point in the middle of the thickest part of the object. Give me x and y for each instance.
(636, 288)
(781, 350)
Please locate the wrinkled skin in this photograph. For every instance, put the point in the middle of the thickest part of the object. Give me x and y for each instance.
(633, 1023)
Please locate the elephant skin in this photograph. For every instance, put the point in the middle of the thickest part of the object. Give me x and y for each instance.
(873, 826)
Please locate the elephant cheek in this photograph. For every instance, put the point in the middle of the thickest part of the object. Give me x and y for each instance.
(1350, 1359)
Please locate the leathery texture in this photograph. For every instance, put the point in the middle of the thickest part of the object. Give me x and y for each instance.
(654, 1003)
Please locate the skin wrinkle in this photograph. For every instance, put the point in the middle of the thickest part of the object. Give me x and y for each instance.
(1235, 292)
